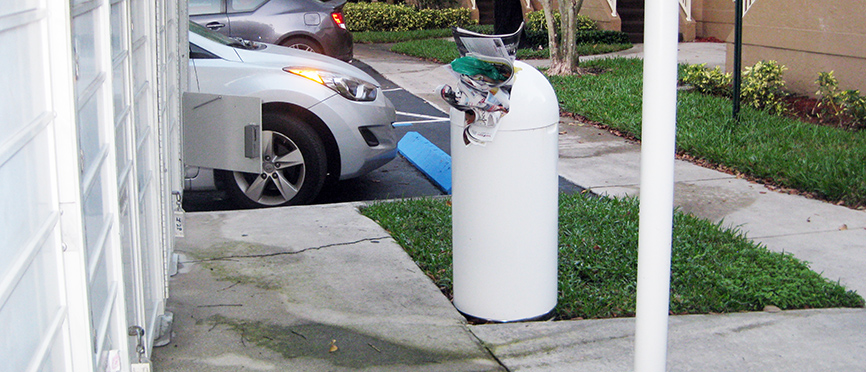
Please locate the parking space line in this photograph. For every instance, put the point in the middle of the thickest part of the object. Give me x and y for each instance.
(426, 119)
(420, 115)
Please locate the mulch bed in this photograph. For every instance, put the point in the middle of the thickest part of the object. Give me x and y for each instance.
(806, 109)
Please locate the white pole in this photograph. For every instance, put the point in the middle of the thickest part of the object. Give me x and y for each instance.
(656, 190)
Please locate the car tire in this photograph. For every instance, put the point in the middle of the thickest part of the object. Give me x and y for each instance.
(294, 166)
(302, 43)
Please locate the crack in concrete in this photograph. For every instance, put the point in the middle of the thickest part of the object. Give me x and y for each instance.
(488, 348)
(264, 255)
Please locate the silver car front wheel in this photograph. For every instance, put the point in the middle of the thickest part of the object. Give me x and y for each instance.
(294, 166)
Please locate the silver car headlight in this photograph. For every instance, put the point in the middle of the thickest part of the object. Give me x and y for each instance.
(352, 88)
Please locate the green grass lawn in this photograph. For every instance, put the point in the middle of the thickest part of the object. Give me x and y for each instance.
(381, 37)
(826, 162)
(714, 269)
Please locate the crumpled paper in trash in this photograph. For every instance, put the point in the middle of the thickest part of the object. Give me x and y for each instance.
(483, 73)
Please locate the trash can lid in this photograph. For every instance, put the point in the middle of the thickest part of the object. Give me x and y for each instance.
(533, 100)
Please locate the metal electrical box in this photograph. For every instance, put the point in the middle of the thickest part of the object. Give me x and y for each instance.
(222, 132)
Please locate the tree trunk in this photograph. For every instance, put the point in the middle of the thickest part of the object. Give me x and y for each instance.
(564, 59)
(552, 45)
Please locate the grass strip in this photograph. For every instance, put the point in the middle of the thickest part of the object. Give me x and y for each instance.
(436, 50)
(445, 51)
(379, 37)
(713, 269)
(825, 162)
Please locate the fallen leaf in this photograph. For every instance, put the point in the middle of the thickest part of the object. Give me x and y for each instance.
(333, 346)
(843, 227)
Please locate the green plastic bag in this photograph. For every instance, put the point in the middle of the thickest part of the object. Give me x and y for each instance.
(472, 66)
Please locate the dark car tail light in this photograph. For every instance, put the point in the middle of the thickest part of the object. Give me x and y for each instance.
(338, 19)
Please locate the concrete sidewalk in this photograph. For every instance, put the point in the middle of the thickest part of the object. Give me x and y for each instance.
(317, 288)
(322, 288)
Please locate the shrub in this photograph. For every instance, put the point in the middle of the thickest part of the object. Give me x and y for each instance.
(387, 17)
(536, 27)
(763, 87)
(855, 106)
(601, 37)
(436, 4)
(535, 21)
(708, 81)
(539, 39)
(838, 103)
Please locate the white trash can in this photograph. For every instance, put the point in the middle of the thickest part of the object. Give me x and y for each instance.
(505, 199)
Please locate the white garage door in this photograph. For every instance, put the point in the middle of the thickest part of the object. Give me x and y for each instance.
(89, 160)
(34, 101)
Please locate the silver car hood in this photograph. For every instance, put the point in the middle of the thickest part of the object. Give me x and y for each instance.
(279, 57)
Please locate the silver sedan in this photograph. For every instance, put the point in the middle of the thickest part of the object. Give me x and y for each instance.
(322, 119)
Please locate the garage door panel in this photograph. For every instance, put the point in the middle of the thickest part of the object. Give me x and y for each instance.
(23, 80)
(18, 6)
(23, 191)
(95, 222)
(36, 298)
(119, 99)
(87, 64)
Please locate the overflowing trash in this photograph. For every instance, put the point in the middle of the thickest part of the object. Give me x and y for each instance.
(484, 74)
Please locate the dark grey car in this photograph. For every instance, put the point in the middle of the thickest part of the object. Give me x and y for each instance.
(311, 25)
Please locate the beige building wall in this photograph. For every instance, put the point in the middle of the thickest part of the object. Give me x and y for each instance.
(599, 11)
(808, 37)
(713, 18)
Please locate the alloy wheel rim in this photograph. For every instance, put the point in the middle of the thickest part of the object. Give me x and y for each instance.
(283, 172)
